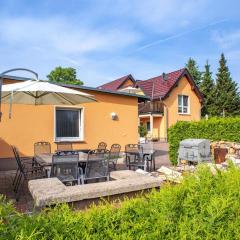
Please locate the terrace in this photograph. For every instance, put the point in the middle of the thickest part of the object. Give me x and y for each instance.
(123, 183)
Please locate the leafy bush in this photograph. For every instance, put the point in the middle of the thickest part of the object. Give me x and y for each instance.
(227, 129)
(142, 130)
(204, 206)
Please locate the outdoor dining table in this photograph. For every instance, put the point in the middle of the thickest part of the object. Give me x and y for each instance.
(45, 160)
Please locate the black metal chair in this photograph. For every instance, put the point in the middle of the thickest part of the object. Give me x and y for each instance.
(134, 156)
(96, 166)
(25, 172)
(149, 157)
(114, 155)
(65, 167)
(102, 146)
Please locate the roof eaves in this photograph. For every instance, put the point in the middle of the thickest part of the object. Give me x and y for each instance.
(196, 89)
(80, 87)
(16, 78)
(103, 91)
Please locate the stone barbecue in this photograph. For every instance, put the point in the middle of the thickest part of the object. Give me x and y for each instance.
(194, 150)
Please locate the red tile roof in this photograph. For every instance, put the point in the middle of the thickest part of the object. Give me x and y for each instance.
(116, 84)
(158, 87)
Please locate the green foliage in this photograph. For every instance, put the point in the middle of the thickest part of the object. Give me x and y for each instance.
(142, 130)
(204, 206)
(207, 88)
(216, 129)
(220, 99)
(64, 75)
(192, 67)
(227, 100)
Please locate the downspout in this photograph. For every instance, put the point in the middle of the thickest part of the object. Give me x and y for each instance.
(166, 131)
(151, 110)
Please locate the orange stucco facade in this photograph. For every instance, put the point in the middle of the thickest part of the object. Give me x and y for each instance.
(170, 115)
(183, 88)
(31, 124)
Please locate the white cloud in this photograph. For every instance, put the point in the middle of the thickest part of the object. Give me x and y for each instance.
(163, 16)
(59, 35)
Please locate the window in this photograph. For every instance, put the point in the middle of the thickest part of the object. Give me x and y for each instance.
(148, 126)
(68, 124)
(183, 104)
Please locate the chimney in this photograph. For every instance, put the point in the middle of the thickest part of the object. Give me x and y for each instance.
(164, 76)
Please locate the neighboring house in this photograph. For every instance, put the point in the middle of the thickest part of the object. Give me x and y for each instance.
(173, 97)
(30, 124)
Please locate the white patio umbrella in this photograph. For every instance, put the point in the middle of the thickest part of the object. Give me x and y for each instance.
(129, 89)
(38, 92)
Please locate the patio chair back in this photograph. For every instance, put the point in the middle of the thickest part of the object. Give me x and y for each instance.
(65, 167)
(41, 148)
(65, 146)
(134, 154)
(102, 146)
(18, 159)
(97, 165)
(134, 148)
(114, 151)
(114, 155)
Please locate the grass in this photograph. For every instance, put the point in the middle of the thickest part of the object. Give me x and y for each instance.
(203, 206)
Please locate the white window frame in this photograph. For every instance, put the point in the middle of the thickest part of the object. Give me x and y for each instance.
(182, 107)
(80, 138)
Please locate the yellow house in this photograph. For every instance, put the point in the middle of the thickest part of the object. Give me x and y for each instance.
(91, 122)
(173, 97)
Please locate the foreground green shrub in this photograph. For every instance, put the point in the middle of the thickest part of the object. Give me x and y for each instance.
(216, 129)
(202, 207)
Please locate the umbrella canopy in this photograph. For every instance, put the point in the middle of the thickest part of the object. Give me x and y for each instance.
(129, 89)
(42, 93)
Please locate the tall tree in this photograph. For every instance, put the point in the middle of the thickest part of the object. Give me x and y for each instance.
(66, 75)
(193, 69)
(207, 88)
(226, 92)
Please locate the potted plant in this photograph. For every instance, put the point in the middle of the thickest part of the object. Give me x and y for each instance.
(142, 130)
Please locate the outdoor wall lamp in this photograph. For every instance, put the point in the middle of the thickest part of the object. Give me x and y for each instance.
(114, 116)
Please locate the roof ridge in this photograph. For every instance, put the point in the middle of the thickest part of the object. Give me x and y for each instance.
(128, 75)
(181, 69)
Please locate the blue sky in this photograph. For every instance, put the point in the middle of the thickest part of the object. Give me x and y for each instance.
(106, 39)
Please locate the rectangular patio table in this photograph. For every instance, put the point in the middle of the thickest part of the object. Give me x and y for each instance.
(45, 160)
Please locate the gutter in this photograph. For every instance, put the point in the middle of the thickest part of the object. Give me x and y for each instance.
(161, 100)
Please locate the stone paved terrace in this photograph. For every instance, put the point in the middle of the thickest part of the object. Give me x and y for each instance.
(26, 202)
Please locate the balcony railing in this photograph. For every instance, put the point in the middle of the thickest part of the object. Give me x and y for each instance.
(150, 107)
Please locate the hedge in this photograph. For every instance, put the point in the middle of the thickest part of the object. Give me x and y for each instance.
(204, 206)
(216, 129)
